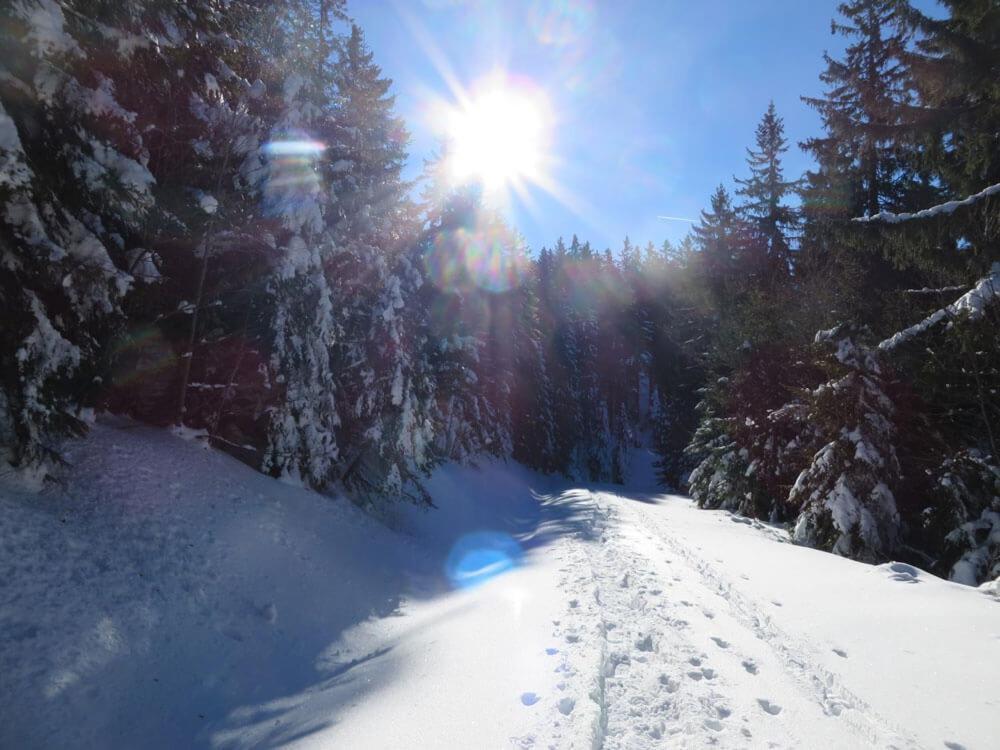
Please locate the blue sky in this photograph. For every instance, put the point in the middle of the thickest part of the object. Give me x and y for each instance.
(655, 100)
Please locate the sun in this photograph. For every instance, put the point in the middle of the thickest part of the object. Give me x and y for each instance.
(499, 135)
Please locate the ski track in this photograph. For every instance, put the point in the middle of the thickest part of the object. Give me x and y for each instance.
(657, 647)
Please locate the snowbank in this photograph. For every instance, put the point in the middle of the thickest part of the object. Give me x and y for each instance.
(171, 597)
(170, 584)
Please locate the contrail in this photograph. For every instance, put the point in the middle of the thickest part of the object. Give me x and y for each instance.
(677, 218)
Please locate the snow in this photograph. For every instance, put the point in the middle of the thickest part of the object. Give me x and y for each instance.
(14, 172)
(212, 86)
(971, 304)
(45, 20)
(944, 208)
(168, 596)
(208, 203)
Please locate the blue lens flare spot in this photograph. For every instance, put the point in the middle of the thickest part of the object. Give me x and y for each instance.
(294, 147)
(478, 557)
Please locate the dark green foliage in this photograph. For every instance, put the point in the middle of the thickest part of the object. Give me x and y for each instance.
(872, 449)
(764, 193)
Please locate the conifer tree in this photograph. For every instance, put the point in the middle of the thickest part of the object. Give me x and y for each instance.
(764, 191)
(75, 193)
(861, 169)
(302, 442)
(955, 67)
(846, 496)
(532, 418)
(717, 237)
(378, 284)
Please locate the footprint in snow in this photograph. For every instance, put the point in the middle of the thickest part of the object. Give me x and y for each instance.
(566, 706)
(777, 603)
(645, 644)
(703, 674)
(954, 745)
(551, 651)
(714, 725)
(694, 661)
(670, 685)
(904, 573)
(709, 615)
(529, 699)
(750, 666)
(772, 708)
(840, 652)
(720, 642)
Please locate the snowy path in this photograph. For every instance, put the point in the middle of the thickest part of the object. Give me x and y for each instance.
(688, 652)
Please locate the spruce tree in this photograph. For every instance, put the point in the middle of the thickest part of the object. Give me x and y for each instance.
(302, 443)
(846, 497)
(955, 67)
(717, 236)
(861, 167)
(76, 193)
(765, 190)
(532, 418)
(377, 283)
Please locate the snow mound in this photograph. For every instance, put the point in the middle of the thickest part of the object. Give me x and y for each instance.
(169, 584)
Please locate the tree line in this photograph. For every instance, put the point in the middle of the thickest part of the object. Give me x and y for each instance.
(204, 225)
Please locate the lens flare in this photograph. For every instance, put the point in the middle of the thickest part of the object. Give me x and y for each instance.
(561, 22)
(141, 354)
(294, 147)
(292, 183)
(480, 255)
(478, 557)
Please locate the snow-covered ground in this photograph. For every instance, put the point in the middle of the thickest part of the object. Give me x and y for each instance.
(168, 596)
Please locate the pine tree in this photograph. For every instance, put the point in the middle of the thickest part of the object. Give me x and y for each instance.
(532, 418)
(387, 391)
(861, 167)
(864, 165)
(398, 447)
(472, 259)
(719, 478)
(764, 191)
(559, 334)
(302, 442)
(76, 193)
(846, 496)
(717, 237)
(955, 68)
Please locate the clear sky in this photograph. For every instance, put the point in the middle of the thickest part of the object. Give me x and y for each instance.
(654, 101)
